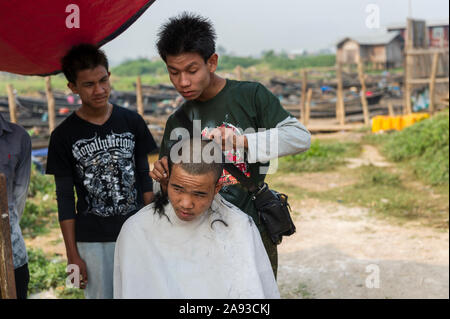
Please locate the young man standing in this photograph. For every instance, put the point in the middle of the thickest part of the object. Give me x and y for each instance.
(228, 110)
(15, 163)
(101, 149)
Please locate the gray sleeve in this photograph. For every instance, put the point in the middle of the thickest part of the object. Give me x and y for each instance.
(22, 176)
(287, 138)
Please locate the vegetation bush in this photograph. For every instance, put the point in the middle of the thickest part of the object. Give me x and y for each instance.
(321, 156)
(424, 146)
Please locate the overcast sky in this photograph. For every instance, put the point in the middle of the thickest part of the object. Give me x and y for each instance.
(247, 27)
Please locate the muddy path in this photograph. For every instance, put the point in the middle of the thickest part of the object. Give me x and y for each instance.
(346, 252)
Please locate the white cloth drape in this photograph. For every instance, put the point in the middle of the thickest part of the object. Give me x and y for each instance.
(203, 258)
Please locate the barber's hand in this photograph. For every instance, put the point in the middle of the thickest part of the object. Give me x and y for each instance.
(227, 138)
(160, 173)
(76, 260)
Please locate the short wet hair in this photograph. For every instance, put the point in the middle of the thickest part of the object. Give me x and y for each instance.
(82, 57)
(187, 33)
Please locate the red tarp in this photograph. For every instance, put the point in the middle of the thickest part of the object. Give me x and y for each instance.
(35, 34)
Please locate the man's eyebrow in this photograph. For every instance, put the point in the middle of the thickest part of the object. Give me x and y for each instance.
(177, 186)
(194, 192)
(200, 193)
(186, 68)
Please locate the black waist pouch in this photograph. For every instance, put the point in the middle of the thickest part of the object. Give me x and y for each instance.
(274, 213)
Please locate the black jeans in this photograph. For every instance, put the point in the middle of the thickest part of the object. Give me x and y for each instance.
(22, 276)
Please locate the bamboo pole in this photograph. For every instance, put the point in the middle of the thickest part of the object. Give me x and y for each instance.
(340, 109)
(408, 67)
(7, 281)
(140, 104)
(50, 103)
(239, 73)
(363, 94)
(303, 98)
(12, 104)
(433, 81)
(307, 107)
(391, 109)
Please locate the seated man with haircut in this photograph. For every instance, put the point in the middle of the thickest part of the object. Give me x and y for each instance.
(191, 243)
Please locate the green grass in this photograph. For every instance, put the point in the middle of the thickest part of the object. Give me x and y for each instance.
(390, 195)
(304, 292)
(45, 272)
(139, 67)
(49, 272)
(26, 85)
(40, 212)
(29, 85)
(126, 83)
(424, 147)
(322, 156)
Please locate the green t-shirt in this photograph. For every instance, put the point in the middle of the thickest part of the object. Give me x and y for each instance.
(240, 106)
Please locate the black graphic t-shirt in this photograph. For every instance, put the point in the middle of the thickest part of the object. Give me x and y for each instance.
(103, 161)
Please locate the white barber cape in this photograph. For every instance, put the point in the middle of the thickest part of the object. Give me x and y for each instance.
(155, 258)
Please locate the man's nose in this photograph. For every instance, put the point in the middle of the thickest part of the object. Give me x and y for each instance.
(184, 80)
(98, 89)
(186, 202)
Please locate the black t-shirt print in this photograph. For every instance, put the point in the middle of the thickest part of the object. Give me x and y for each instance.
(106, 166)
(102, 160)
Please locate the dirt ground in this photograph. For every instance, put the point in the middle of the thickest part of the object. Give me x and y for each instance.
(344, 252)
(336, 249)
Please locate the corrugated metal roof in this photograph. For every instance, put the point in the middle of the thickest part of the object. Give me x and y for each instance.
(372, 39)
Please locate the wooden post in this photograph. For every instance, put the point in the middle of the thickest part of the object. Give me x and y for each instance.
(12, 104)
(363, 94)
(390, 109)
(140, 104)
(303, 98)
(408, 71)
(7, 281)
(408, 66)
(239, 73)
(50, 103)
(307, 107)
(340, 109)
(433, 81)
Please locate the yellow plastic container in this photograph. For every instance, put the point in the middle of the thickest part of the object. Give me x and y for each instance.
(386, 123)
(376, 123)
(397, 123)
(408, 120)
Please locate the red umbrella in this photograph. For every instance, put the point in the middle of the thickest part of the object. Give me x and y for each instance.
(34, 35)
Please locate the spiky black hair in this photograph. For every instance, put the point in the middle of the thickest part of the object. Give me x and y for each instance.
(187, 33)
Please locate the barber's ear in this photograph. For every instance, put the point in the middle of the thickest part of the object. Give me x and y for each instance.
(72, 87)
(218, 187)
(212, 62)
